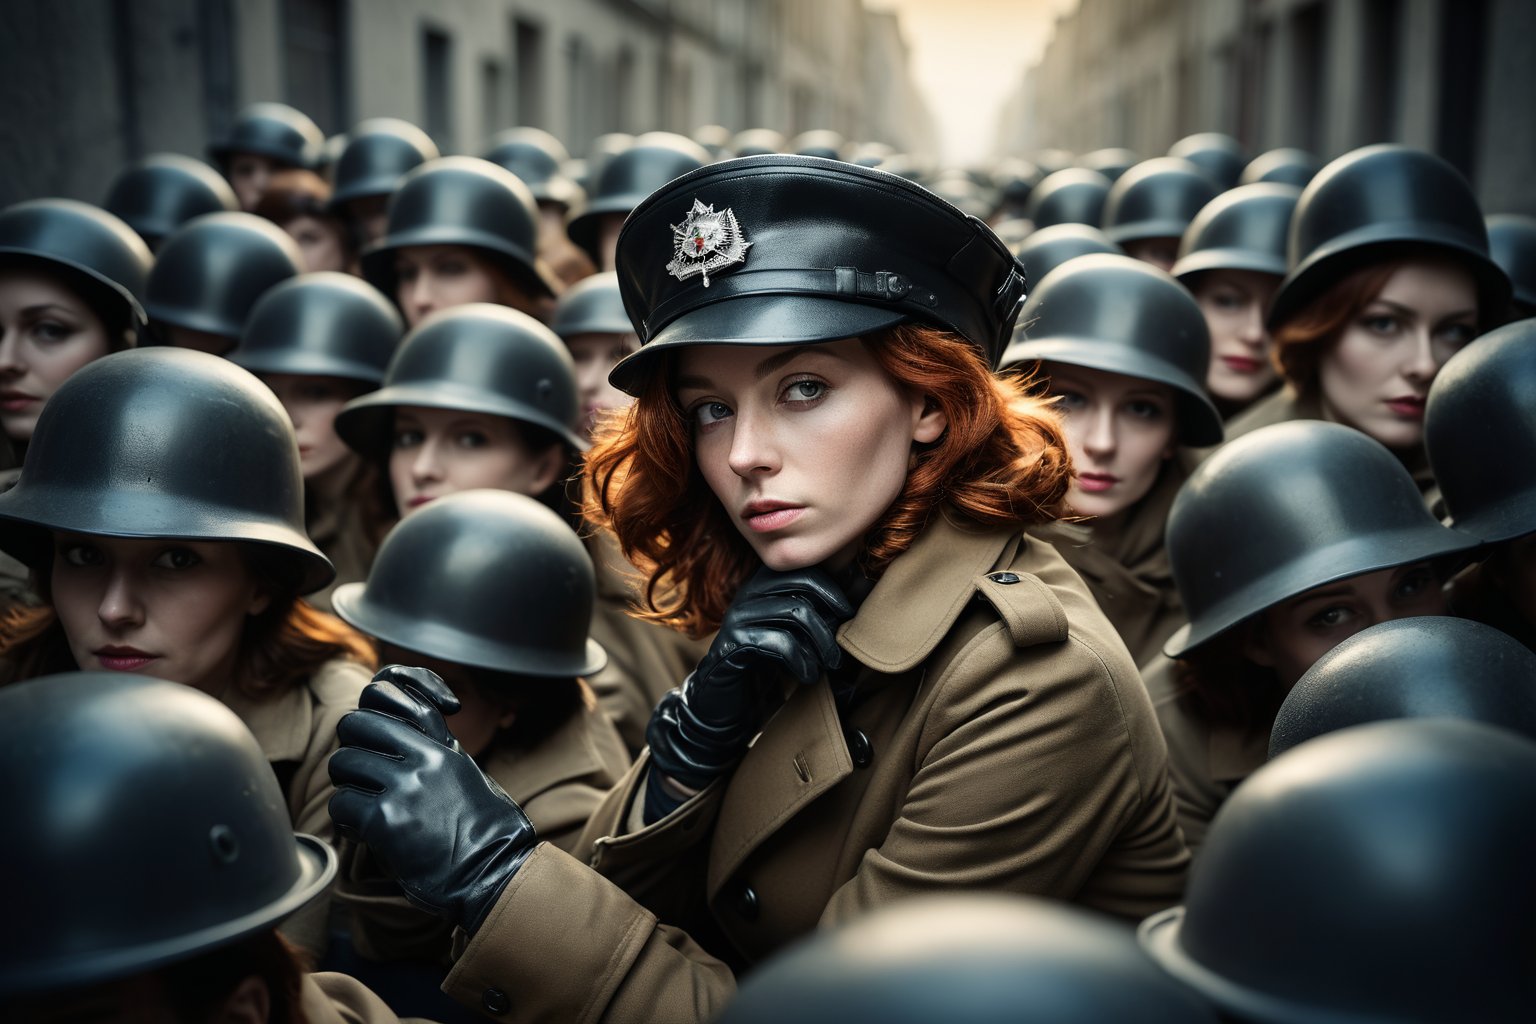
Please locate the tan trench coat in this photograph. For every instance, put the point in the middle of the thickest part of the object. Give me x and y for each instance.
(15, 578)
(338, 530)
(330, 998)
(1003, 741)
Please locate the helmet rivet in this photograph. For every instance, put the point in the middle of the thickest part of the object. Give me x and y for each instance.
(545, 388)
(225, 847)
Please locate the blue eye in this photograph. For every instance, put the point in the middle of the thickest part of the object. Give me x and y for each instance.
(1069, 401)
(81, 555)
(1331, 618)
(177, 558)
(805, 391)
(708, 413)
(1145, 410)
(408, 438)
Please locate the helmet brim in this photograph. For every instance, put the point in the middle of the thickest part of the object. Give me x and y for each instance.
(306, 364)
(1228, 259)
(366, 423)
(524, 267)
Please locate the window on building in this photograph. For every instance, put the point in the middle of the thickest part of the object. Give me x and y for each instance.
(1463, 69)
(493, 105)
(315, 61)
(437, 87)
(621, 117)
(578, 82)
(1381, 45)
(528, 67)
(1309, 66)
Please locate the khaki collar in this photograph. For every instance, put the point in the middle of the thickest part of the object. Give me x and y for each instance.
(569, 753)
(922, 593)
(1235, 754)
(281, 722)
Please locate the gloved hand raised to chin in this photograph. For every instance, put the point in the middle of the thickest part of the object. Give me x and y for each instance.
(448, 834)
(778, 622)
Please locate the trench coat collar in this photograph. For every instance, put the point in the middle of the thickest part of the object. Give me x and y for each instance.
(923, 592)
(1234, 754)
(281, 722)
(567, 754)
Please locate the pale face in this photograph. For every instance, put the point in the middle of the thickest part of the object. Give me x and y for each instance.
(1377, 376)
(1292, 635)
(1234, 303)
(478, 720)
(434, 277)
(438, 452)
(595, 356)
(46, 334)
(608, 228)
(1120, 431)
(805, 446)
(320, 242)
(170, 609)
(1162, 253)
(312, 404)
(249, 176)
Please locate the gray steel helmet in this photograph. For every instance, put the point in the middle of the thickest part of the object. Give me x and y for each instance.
(1380, 873)
(1045, 249)
(211, 271)
(758, 142)
(1111, 163)
(1480, 433)
(276, 131)
(87, 244)
(1016, 179)
(1218, 155)
(1512, 244)
(1266, 518)
(1244, 228)
(1120, 315)
(1071, 196)
(716, 138)
(160, 193)
(592, 306)
(162, 442)
(1429, 666)
(1155, 199)
(489, 579)
(147, 827)
(378, 154)
(625, 182)
(1377, 203)
(821, 142)
(1285, 166)
(601, 150)
(538, 159)
(964, 958)
(479, 358)
(321, 325)
(789, 250)
(463, 200)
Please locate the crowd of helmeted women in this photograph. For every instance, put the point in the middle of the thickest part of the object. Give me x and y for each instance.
(749, 578)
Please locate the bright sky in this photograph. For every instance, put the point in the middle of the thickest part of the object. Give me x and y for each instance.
(967, 55)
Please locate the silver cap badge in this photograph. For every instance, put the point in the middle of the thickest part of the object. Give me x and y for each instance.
(706, 241)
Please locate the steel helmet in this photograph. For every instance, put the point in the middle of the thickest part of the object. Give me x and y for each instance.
(1286, 166)
(1119, 315)
(88, 245)
(758, 142)
(796, 250)
(1045, 249)
(276, 131)
(477, 357)
(1429, 666)
(1266, 518)
(162, 442)
(1016, 179)
(625, 182)
(158, 194)
(463, 200)
(147, 827)
(601, 150)
(1071, 196)
(211, 271)
(1372, 204)
(714, 137)
(1512, 244)
(1218, 155)
(1155, 199)
(538, 158)
(321, 325)
(965, 958)
(379, 152)
(822, 142)
(1052, 160)
(1381, 873)
(592, 306)
(1242, 229)
(1480, 433)
(1111, 162)
(488, 579)
(865, 154)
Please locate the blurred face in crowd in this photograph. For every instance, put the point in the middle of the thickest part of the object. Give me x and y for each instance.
(312, 404)
(608, 227)
(171, 609)
(321, 242)
(805, 446)
(249, 175)
(1234, 303)
(1376, 377)
(1293, 634)
(436, 277)
(370, 217)
(1162, 253)
(479, 718)
(438, 452)
(46, 333)
(595, 355)
(1120, 431)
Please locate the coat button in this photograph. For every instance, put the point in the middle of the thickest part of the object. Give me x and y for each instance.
(746, 902)
(495, 1001)
(859, 748)
(1004, 578)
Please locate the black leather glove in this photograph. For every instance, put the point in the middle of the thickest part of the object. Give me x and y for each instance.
(448, 834)
(779, 621)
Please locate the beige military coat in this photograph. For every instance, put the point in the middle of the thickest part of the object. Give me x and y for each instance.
(998, 738)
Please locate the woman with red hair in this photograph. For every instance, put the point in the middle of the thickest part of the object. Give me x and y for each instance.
(905, 693)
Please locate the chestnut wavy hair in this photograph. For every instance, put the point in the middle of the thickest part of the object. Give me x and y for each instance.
(280, 647)
(1001, 462)
(1303, 340)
